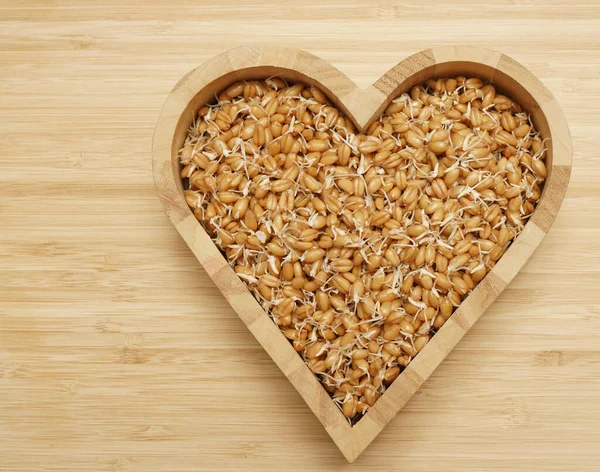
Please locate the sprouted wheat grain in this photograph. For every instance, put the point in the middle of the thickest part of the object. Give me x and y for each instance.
(361, 245)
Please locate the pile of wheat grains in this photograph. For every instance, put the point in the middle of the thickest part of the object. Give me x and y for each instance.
(361, 245)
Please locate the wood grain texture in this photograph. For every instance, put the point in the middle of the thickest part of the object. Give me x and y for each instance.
(362, 106)
(117, 352)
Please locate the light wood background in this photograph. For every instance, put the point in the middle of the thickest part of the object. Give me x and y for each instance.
(117, 352)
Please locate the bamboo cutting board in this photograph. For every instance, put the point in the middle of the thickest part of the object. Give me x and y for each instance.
(118, 353)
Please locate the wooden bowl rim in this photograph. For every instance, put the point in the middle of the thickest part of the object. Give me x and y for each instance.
(363, 106)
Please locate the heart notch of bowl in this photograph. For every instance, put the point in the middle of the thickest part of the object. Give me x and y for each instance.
(363, 106)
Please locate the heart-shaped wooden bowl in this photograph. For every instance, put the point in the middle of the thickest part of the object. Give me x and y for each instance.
(362, 106)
